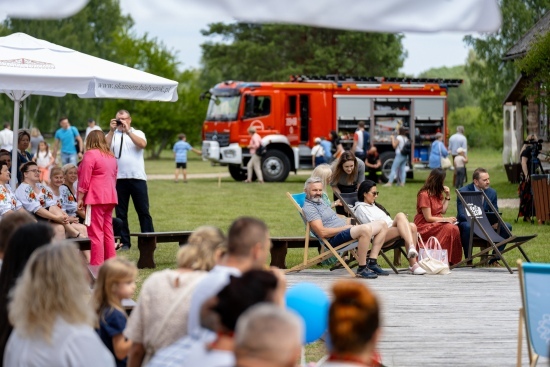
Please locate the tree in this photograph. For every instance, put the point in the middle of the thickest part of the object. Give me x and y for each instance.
(491, 77)
(274, 51)
(536, 66)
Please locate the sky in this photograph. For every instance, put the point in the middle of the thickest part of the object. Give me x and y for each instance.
(178, 26)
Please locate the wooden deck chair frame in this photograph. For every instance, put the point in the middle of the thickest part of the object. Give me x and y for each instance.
(512, 241)
(527, 317)
(332, 251)
(395, 244)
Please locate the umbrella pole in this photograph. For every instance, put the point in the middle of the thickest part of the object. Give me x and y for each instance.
(14, 168)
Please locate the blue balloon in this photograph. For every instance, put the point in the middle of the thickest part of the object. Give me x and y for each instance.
(312, 304)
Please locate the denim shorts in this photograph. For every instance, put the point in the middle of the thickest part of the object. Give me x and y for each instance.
(340, 238)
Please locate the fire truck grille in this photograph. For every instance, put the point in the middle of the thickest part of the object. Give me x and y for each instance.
(222, 139)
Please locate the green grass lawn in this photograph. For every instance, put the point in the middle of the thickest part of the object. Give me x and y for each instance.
(186, 206)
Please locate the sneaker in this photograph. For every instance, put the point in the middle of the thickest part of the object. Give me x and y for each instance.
(417, 270)
(412, 253)
(366, 274)
(377, 269)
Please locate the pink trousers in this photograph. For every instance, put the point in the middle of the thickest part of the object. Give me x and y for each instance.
(101, 234)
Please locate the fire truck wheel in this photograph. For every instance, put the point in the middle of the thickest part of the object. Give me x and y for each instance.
(237, 173)
(275, 166)
(386, 159)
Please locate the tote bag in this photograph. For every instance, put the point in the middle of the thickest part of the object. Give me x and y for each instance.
(445, 161)
(432, 257)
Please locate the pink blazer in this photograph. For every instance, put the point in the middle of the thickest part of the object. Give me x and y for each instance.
(97, 178)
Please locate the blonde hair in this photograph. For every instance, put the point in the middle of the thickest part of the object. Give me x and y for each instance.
(35, 132)
(354, 317)
(68, 167)
(53, 285)
(324, 172)
(96, 140)
(113, 271)
(202, 246)
(55, 171)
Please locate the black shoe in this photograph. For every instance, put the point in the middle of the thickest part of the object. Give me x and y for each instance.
(366, 274)
(124, 248)
(377, 269)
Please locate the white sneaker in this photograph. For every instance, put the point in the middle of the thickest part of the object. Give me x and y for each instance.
(417, 270)
(412, 253)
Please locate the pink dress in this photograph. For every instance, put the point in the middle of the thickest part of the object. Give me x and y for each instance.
(97, 186)
(448, 234)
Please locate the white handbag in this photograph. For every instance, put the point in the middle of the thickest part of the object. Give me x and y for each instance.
(432, 257)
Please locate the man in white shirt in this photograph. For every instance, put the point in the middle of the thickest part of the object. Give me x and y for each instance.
(128, 145)
(6, 137)
(458, 140)
(248, 245)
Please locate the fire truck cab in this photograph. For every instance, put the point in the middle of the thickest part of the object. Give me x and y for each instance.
(290, 115)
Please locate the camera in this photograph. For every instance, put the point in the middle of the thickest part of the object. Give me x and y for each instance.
(536, 146)
(118, 122)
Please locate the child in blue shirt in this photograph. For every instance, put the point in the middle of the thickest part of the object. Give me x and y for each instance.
(180, 154)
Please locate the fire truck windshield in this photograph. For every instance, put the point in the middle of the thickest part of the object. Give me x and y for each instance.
(223, 108)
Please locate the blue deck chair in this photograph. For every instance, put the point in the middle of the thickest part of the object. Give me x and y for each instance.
(298, 201)
(534, 281)
(481, 227)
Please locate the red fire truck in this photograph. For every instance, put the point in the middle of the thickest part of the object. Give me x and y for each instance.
(290, 115)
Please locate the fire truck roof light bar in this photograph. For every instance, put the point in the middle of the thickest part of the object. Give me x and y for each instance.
(374, 79)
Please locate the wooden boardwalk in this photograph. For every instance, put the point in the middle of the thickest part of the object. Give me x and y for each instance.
(467, 318)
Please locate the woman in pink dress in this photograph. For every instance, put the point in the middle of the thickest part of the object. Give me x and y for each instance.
(97, 194)
(431, 203)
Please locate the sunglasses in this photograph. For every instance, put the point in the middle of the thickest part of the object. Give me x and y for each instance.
(375, 193)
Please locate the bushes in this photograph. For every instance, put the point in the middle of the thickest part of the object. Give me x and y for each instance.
(479, 132)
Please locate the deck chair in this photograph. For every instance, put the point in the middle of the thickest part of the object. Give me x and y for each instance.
(534, 315)
(298, 201)
(481, 227)
(397, 244)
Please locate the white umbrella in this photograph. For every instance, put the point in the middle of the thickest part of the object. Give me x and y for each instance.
(32, 66)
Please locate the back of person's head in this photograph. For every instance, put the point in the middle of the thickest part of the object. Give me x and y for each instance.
(460, 129)
(53, 285)
(361, 124)
(244, 234)
(112, 273)
(96, 140)
(7, 125)
(267, 332)
(241, 293)
(203, 247)
(35, 132)
(10, 223)
(324, 172)
(402, 131)
(181, 136)
(26, 238)
(354, 318)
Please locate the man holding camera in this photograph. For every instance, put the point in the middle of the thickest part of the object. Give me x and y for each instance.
(128, 144)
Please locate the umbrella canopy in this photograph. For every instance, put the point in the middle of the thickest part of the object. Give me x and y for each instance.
(33, 66)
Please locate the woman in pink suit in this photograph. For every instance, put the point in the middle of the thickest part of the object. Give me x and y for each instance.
(97, 195)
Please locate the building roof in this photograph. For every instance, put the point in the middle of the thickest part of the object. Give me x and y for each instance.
(521, 47)
(516, 93)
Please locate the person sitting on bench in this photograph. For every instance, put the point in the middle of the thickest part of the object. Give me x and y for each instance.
(325, 223)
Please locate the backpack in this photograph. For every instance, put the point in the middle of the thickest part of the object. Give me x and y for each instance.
(406, 150)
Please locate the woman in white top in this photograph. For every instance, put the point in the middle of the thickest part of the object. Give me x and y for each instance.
(38, 199)
(53, 322)
(8, 201)
(367, 210)
(160, 316)
(353, 326)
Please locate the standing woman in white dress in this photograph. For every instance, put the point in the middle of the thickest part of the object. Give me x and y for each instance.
(52, 319)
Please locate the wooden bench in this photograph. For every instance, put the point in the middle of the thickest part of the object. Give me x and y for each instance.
(147, 244)
(128, 304)
(541, 197)
(84, 244)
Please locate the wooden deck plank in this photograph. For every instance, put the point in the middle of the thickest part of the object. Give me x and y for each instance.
(467, 318)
